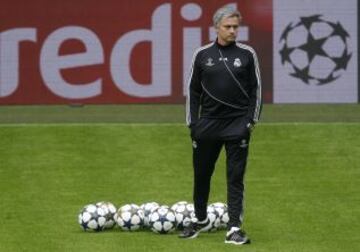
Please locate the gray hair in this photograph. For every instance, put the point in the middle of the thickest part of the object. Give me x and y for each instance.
(225, 12)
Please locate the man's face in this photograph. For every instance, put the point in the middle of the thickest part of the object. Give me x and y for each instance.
(227, 30)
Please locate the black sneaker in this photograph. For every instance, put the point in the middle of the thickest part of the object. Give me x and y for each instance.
(236, 236)
(194, 229)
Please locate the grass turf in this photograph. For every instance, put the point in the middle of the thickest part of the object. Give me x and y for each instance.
(302, 185)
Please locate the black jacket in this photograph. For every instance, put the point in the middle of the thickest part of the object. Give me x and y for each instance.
(212, 90)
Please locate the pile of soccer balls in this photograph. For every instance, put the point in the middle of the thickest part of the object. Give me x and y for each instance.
(161, 219)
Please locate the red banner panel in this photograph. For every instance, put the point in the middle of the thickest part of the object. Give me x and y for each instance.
(97, 52)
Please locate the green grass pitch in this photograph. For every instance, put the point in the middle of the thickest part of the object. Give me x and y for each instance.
(302, 185)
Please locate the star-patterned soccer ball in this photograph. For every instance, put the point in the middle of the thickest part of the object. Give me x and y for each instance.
(162, 220)
(315, 50)
(222, 212)
(184, 212)
(214, 219)
(92, 218)
(148, 208)
(110, 211)
(129, 217)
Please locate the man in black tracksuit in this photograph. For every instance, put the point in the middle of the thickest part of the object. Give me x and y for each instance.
(223, 105)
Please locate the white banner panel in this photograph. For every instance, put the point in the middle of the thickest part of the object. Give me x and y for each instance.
(315, 51)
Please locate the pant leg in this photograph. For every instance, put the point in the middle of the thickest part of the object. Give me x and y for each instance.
(236, 158)
(205, 154)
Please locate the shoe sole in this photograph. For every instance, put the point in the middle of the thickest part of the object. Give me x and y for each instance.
(191, 237)
(194, 236)
(238, 243)
(197, 233)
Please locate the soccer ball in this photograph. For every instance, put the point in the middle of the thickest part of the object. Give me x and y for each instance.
(110, 211)
(184, 212)
(174, 206)
(147, 209)
(92, 218)
(214, 219)
(162, 220)
(129, 217)
(222, 212)
(315, 50)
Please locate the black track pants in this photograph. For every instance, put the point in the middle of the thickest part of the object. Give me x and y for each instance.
(209, 136)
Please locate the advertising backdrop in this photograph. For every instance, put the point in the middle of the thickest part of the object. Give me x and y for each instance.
(118, 52)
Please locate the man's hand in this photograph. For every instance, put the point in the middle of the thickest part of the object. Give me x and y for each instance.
(250, 126)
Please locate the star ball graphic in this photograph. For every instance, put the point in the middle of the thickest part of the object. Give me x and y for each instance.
(317, 50)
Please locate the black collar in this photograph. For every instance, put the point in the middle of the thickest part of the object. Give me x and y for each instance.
(232, 44)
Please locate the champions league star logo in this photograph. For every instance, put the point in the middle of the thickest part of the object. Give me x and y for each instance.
(317, 50)
(210, 62)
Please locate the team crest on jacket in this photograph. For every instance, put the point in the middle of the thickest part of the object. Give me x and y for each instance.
(237, 62)
(210, 62)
